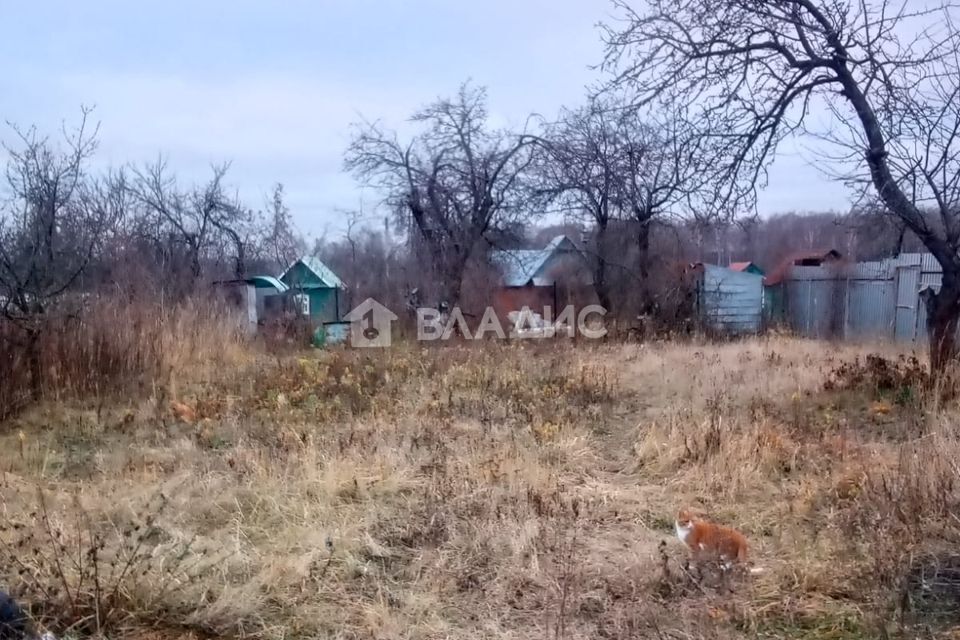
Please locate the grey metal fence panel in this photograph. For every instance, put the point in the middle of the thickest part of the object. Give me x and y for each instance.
(866, 300)
(907, 303)
(850, 301)
(928, 279)
(929, 263)
(814, 305)
(870, 308)
(880, 270)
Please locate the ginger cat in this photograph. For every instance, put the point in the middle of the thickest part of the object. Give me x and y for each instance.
(708, 541)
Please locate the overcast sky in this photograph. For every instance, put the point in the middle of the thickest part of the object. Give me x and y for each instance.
(274, 86)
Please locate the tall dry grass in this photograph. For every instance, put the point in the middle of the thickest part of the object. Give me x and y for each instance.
(510, 491)
(109, 346)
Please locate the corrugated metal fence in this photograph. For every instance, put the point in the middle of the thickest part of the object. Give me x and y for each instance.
(866, 300)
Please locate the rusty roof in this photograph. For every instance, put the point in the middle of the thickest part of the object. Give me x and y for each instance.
(819, 256)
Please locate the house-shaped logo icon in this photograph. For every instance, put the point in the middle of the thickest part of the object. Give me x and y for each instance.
(370, 324)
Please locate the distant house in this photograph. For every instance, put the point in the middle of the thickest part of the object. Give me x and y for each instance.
(746, 267)
(315, 288)
(308, 287)
(774, 294)
(539, 278)
(801, 259)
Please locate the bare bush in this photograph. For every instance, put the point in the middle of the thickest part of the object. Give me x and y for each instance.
(51, 230)
(94, 578)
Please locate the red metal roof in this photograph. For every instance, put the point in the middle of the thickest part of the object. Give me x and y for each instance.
(740, 266)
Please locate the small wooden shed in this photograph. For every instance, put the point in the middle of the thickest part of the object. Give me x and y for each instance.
(316, 289)
(267, 290)
(240, 297)
(727, 300)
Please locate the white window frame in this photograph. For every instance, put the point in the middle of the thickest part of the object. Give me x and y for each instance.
(301, 302)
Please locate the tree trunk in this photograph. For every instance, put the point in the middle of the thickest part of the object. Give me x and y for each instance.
(449, 272)
(943, 318)
(196, 268)
(943, 308)
(600, 284)
(240, 265)
(643, 267)
(451, 290)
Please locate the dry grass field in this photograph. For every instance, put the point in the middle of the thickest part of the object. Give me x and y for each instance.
(490, 491)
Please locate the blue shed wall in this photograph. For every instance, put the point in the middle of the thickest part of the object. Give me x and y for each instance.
(731, 300)
(323, 305)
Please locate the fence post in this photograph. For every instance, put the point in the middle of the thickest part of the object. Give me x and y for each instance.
(845, 334)
(905, 314)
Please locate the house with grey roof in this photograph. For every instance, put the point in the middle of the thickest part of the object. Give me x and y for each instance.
(539, 278)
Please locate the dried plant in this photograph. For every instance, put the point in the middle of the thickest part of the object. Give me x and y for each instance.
(87, 577)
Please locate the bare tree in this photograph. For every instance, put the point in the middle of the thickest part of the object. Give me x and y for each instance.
(581, 173)
(753, 73)
(612, 163)
(282, 243)
(192, 225)
(52, 225)
(668, 177)
(368, 263)
(451, 184)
